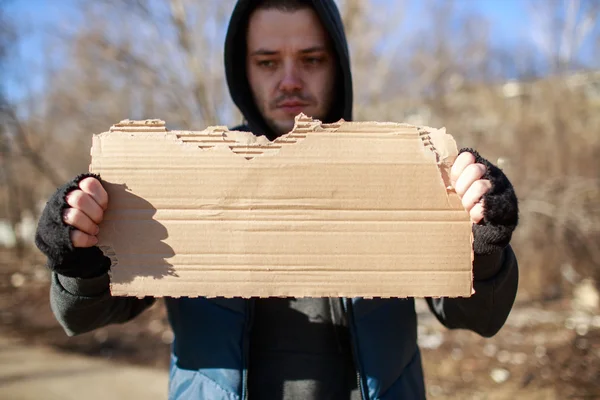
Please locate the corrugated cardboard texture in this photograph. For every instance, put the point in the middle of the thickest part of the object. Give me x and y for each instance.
(346, 209)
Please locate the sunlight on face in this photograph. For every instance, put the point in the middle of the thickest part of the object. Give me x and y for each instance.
(291, 66)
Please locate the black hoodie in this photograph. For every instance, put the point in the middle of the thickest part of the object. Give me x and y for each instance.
(235, 64)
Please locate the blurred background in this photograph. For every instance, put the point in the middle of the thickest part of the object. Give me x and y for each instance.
(519, 80)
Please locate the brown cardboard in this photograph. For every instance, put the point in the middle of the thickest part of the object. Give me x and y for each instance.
(346, 209)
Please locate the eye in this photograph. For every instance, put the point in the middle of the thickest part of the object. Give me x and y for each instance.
(313, 60)
(268, 64)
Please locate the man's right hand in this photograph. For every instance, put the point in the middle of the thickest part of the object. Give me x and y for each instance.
(88, 204)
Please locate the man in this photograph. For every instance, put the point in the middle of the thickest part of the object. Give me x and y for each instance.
(283, 57)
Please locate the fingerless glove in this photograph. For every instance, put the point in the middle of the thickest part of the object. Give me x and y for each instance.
(501, 210)
(53, 239)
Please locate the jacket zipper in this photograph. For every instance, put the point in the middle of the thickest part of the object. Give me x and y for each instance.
(246, 349)
(350, 313)
(359, 381)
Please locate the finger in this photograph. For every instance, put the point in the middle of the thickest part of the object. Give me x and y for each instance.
(84, 202)
(475, 192)
(476, 212)
(80, 239)
(461, 162)
(76, 218)
(470, 174)
(94, 188)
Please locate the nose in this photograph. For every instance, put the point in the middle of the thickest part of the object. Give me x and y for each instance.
(291, 81)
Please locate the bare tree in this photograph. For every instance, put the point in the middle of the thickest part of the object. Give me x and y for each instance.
(560, 28)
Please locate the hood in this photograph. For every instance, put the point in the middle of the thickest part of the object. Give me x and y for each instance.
(235, 64)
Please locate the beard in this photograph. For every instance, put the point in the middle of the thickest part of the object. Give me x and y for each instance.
(281, 126)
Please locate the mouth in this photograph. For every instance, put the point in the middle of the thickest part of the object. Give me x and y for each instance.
(292, 107)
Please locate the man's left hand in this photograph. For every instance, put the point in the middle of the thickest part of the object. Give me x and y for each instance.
(465, 177)
(489, 198)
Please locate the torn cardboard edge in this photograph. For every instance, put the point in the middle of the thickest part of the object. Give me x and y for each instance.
(349, 209)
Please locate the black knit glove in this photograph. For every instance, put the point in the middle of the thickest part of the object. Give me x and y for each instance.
(53, 239)
(501, 211)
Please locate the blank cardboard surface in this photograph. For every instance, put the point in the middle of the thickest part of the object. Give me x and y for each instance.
(347, 209)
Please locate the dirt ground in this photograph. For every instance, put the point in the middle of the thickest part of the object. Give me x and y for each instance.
(40, 372)
(545, 351)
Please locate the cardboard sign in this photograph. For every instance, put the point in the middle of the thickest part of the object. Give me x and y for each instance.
(347, 209)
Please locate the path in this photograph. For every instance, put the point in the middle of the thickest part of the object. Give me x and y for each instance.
(28, 373)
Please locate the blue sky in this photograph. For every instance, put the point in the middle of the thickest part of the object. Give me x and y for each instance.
(508, 20)
(506, 16)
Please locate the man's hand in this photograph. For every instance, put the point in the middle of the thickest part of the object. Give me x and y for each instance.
(465, 177)
(67, 229)
(88, 204)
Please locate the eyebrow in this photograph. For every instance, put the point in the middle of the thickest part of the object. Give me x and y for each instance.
(313, 49)
(266, 52)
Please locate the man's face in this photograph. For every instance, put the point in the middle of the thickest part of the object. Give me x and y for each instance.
(291, 67)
